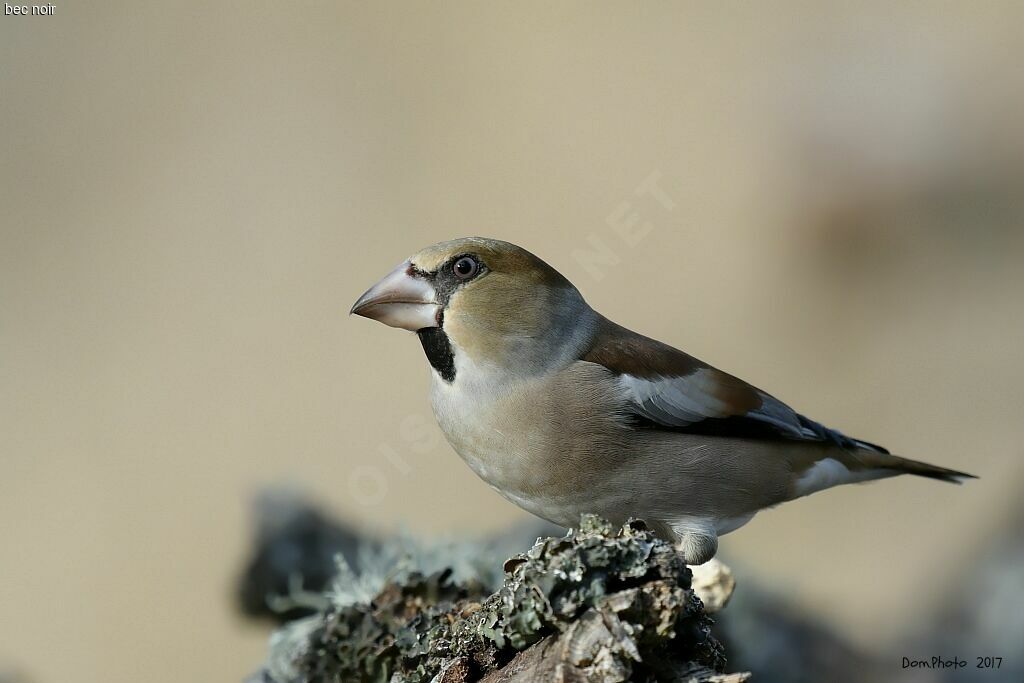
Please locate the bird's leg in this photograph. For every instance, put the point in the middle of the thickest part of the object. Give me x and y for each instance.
(697, 547)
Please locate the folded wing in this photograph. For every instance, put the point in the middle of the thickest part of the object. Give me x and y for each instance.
(669, 389)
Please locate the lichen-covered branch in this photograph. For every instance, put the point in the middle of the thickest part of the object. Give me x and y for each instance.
(599, 604)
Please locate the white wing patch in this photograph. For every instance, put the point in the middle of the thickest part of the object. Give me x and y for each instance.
(676, 401)
(708, 394)
(683, 401)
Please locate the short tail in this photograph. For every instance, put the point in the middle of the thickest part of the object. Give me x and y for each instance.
(922, 469)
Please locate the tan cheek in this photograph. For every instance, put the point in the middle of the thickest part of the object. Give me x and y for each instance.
(479, 318)
(469, 331)
(459, 332)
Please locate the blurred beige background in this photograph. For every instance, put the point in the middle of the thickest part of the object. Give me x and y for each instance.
(191, 196)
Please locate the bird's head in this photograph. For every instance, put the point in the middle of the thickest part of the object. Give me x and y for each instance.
(481, 301)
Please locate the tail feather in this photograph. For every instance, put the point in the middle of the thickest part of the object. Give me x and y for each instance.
(921, 469)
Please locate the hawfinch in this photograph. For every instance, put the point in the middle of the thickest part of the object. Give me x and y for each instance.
(563, 412)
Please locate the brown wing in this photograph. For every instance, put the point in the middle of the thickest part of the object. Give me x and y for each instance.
(669, 389)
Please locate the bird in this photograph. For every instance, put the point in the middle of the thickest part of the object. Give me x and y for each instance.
(565, 413)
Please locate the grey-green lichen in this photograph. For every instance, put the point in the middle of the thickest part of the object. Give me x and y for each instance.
(601, 603)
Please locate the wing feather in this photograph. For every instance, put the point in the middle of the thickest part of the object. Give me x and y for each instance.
(669, 389)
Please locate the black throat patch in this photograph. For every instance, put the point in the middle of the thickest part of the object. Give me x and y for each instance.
(439, 352)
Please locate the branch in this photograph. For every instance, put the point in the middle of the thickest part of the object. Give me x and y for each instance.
(599, 604)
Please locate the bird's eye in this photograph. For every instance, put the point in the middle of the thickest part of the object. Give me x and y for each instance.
(465, 267)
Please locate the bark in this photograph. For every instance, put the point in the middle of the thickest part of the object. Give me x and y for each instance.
(600, 604)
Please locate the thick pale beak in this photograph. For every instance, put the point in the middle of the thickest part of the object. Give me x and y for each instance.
(402, 299)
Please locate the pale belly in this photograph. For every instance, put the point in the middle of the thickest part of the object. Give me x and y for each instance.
(514, 443)
(557, 466)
